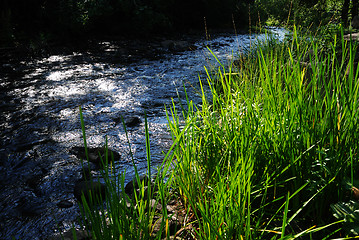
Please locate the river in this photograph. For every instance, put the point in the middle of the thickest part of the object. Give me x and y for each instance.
(40, 121)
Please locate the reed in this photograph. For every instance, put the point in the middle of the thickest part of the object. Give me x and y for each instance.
(268, 152)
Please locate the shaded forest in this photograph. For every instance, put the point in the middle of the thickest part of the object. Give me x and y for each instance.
(42, 21)
(64, 19)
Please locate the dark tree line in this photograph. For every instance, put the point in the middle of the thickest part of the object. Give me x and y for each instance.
(75, 18)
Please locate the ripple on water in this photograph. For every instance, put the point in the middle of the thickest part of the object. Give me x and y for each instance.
(38, 164)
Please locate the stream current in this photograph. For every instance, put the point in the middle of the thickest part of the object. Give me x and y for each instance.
(40, 123)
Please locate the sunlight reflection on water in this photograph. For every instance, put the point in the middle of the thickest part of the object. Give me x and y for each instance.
(52, 91)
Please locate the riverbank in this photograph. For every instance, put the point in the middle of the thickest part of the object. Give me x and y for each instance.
(271, 154)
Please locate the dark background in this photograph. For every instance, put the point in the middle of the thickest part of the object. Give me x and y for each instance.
(40, 22)
(75, 19)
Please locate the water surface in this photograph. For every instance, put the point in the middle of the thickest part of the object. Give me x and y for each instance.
(40, 122)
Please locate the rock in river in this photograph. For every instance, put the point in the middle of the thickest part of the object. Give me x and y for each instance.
(64, 204)
(130, 121)
(133, 185)
(94, 154)
(90, 189)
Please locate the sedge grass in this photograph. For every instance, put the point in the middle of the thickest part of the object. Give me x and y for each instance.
(268, 152)
(120, 216)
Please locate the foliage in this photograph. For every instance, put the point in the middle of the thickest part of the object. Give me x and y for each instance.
(305, 13)
(348, 212)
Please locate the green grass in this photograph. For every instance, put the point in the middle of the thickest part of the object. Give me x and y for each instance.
(269, 154)
(272, 148)
(120, 216)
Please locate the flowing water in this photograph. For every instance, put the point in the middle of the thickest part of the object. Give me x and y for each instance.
(40, 123)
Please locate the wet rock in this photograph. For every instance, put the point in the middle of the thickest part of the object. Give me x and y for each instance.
(151, 106)
(94, 154)
(35, 177)
(133, 184)
(26, 160)
(92, 190)
(87, 173)
(133, 121)
(167, 44)
(3, 157)
(130, 121)
(64, 204)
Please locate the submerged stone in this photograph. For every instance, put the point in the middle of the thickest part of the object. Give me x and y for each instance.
(64, 204)
(93, 191)
(130, 121)
(95, 155)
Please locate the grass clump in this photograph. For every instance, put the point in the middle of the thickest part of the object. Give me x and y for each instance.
(123, 212)
(274, 145)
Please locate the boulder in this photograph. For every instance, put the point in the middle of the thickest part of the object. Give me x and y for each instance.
(134, 186)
